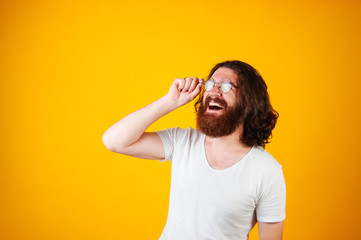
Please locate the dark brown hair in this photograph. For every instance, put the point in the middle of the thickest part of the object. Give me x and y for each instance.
(258, 115)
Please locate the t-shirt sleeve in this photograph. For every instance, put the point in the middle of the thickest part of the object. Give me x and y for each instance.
(272, 202)
(167, 136)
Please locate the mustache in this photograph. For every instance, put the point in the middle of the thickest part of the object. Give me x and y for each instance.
(216, 100)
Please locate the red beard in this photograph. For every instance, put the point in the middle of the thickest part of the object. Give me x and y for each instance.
(221, 125)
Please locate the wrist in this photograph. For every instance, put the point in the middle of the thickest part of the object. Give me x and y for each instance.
(168, 104)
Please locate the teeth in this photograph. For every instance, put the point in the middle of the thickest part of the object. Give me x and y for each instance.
(213, 104)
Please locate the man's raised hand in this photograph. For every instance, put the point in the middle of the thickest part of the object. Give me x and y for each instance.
(184, 90)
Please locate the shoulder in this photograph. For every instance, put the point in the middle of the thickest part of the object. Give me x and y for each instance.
(176, 140)
(180, 134)
(264, 162)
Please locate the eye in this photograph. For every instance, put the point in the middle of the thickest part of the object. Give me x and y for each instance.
(208, 86)
(226, 87)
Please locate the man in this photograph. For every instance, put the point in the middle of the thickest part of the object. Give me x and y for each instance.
(223, 180)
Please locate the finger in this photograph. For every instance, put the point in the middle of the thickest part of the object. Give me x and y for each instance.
(180, 83)
(198, 89)
(187, 83)
(193, 84)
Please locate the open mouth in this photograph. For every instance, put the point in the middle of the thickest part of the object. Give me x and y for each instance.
(215, 106)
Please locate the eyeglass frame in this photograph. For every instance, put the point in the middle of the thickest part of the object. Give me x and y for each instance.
(219, 85)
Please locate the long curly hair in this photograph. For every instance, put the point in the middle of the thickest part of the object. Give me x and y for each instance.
(258, 115)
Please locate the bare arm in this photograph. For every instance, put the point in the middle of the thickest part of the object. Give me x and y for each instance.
(128, 135)
(270, 231)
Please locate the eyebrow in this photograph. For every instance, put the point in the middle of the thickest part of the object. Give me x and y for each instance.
(229, 80)
(222, 79)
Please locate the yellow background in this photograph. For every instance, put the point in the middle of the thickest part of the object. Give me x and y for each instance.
(71, 69)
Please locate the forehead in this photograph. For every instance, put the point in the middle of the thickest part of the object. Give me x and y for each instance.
(223, 72)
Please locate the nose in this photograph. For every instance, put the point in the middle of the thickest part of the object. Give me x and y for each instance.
(215, 90)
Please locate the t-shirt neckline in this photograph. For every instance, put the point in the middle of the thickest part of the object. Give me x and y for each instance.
(241, 161)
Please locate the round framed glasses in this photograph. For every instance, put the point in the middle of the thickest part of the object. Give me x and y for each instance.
(224, 86)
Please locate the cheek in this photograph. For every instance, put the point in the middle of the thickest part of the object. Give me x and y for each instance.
(232, 101)
(205, 95)
(235, 96)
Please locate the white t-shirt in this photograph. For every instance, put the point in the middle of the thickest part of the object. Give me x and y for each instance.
(206, 203)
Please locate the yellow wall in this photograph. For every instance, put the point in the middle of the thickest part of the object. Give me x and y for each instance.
(70, 69)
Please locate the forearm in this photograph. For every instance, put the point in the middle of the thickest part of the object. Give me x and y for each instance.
(128, 130)
(128, 135)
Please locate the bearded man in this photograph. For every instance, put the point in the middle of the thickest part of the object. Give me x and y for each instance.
(223, 180)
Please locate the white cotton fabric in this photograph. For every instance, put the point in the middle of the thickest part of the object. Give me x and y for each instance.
(219, 204)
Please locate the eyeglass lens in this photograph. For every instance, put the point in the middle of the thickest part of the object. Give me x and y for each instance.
(225, 86)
